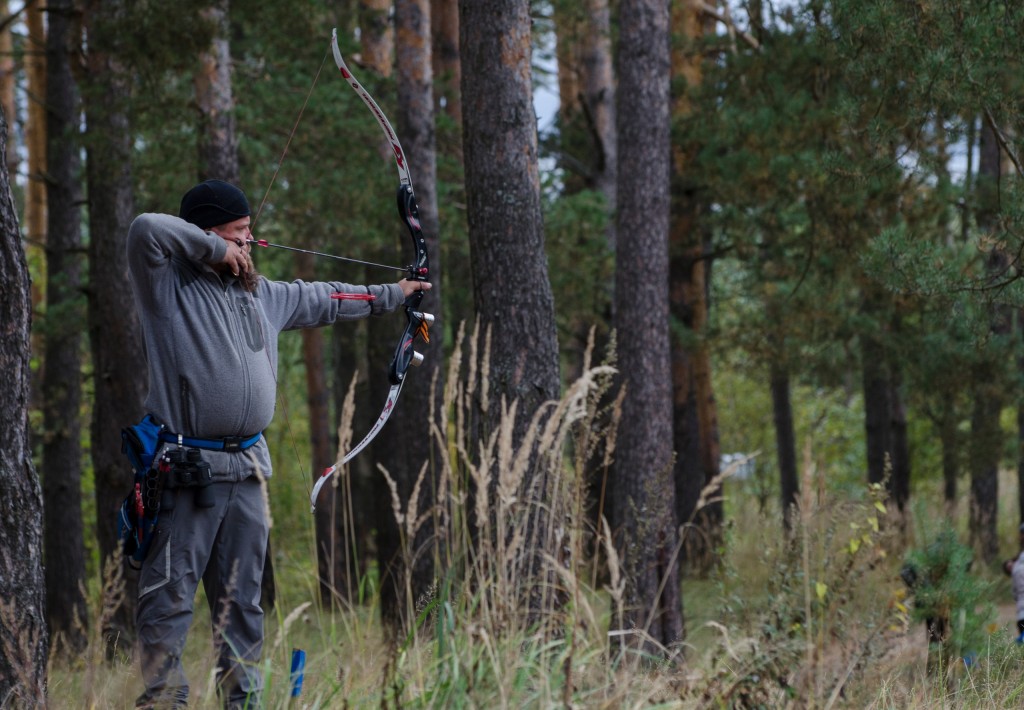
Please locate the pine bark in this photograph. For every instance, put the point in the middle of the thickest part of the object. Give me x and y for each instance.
(8, 82)
(377, 37)
(35, 127)
(330, 550)
(35, 148)
(218, 146)
(597, 83)
(586, 90)
(644, 494)
(445, 57)
(347, 527)
(119, 360)
(986, 434)
(689, 276)
(900, 442)
(62, 388)
(23, 627)
(785, 443)
(408, 449)
(511, 289)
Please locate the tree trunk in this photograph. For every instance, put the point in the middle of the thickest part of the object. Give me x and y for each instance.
(986, 433)
(1020, 465)
(511, 289)
(689, 473)
(785, 443)
(650, 616)
(586, 90)
(377, 37)
(408, 449)
(35, 148)
(218, 146)
(877, 407)
(445, 59)
(7, 87)
(587, 157)
(950, 439)
(329, 548)
(688, 274)
(597, 82)
(119, 360)
(568, 23)
(216, 143)
(23, 632)
(376, 41)
(986, 443)
(900, 444)
(62, 389)
(35, 127)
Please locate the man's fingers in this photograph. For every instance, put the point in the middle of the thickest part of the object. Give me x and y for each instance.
(241, 262)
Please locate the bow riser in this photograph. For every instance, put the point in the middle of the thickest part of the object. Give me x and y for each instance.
(410, 213)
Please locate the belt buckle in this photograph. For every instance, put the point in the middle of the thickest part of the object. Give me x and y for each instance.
(232, 444)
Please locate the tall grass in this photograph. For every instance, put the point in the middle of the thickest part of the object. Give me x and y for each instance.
(518, 617)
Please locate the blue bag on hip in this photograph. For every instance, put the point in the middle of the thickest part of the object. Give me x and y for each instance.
(138, 514)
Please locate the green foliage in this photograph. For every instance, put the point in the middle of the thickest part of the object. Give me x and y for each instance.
(945, 590)
(580, 267)
(828, 425)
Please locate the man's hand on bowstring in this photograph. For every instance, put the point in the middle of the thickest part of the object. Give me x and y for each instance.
(237, 235)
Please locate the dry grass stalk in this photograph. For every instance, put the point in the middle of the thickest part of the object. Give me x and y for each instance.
(345, 419)
(617, 584)
(396, 502)
(219, 625)
(264, 491)
(112, 597)
(286, 625)
(343, 598)
(18, 644)
(485, 372)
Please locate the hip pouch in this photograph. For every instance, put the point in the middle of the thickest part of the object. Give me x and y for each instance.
(138, 514)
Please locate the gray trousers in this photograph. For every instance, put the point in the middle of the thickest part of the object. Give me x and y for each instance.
(225, 546)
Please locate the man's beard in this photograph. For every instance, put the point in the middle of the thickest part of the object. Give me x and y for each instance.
(248, 279)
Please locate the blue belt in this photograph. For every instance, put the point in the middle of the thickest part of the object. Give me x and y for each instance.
(230, 444)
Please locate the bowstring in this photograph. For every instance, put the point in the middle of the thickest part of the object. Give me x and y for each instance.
(282, 396)
(288, 143)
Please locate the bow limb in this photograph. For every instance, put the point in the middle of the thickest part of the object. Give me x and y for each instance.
(389, 407)
(403, 169)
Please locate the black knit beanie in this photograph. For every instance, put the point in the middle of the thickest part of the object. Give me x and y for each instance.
(213, 203)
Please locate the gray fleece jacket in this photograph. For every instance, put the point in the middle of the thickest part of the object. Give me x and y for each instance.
(211, 346)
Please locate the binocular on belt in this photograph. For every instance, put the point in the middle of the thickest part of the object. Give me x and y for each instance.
(185, 468)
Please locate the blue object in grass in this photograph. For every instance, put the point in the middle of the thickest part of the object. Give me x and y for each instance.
(298, 666)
